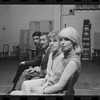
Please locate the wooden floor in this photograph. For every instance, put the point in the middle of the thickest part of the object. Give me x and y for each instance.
(89, 80)
(88, 83)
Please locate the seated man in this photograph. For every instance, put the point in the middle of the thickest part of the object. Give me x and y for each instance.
(36, 39)
(25, 64)
(29, 73)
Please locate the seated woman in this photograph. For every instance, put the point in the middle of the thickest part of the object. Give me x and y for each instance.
(60, 66)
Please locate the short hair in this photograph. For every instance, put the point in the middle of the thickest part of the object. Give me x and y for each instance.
(45, 33)
(54, 35)
(37, 33)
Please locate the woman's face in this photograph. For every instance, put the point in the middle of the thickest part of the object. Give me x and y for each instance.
(54, 44)
(66, 44)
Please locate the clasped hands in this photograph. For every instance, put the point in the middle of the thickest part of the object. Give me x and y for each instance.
(31, 69)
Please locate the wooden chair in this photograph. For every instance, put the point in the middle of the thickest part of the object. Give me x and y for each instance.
(69, 88)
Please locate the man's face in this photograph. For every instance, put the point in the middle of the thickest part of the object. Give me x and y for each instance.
(36, 40)
(43, 41)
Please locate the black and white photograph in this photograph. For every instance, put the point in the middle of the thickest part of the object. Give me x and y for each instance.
(50, 50)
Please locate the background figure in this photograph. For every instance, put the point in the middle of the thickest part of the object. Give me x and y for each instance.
(36, 39)
(37, 71)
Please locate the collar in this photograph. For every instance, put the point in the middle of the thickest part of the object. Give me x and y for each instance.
(38, 45)
(56, 53)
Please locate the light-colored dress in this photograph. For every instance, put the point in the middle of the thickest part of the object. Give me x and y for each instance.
(59, 66)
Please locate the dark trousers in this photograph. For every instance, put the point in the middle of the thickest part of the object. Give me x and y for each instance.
(19, 83)
(20, 69)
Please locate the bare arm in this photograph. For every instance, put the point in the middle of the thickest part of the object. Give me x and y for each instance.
(68, 72)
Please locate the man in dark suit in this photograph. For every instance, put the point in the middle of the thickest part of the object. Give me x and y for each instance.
(26, 64)
(36, 39)
(41, 59)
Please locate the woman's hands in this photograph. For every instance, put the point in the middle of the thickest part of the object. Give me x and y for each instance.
(37, 69)
(31, 69)
(39, 89)
(28, 70)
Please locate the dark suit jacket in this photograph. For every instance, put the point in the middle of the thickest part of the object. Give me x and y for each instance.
(37, 60)
(41, 61)
(44, 64)
(36, 52)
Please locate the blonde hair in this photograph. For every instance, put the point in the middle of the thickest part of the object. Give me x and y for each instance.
(73, 35)
(54, 35)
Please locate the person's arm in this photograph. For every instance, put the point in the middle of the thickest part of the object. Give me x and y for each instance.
(37, 69)
(46, 77)
(68, 72)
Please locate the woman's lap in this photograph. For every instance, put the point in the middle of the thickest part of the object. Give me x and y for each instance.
(26, 87)
(29, 85)
(33, 82)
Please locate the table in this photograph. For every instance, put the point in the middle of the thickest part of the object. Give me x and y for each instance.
(96, 54)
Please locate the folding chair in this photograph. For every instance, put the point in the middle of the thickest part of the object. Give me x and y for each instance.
(5, 52)
(15, 53)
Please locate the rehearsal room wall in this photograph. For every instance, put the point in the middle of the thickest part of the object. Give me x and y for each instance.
(14, 18)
